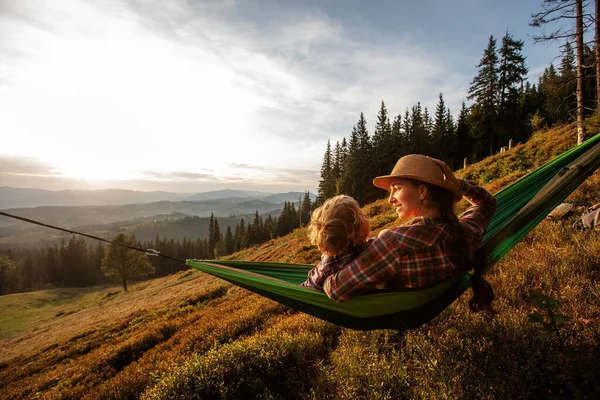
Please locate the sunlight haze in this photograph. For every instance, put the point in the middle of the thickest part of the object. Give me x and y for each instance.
(190, 96)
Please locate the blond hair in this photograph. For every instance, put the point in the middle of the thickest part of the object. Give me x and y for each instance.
(337, 225)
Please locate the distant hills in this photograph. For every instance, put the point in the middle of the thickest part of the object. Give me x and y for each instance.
(18, 197)
(75, 209)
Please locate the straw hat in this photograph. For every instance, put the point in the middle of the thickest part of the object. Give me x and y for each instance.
(421, 168)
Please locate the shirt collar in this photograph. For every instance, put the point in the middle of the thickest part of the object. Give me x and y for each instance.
(427, 220)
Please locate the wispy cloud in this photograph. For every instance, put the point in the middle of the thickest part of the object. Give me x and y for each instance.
(24, 166)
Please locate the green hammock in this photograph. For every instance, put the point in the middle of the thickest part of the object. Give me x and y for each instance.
(521, 206)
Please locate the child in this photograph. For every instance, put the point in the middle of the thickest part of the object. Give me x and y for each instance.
(339, 229)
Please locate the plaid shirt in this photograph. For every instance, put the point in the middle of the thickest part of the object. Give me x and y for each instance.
(412, 255)
(331, 264)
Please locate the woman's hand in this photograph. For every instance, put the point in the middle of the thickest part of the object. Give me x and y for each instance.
(448, 174)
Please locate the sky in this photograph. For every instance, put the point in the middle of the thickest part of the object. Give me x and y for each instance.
(194, 96)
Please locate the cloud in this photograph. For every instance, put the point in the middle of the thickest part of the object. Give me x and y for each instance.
(184, 175)
(24, 166)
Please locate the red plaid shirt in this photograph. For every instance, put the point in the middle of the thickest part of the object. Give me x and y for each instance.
(332, 264)
(412, 255)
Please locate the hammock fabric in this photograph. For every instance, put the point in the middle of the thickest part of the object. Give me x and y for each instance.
(521, 206)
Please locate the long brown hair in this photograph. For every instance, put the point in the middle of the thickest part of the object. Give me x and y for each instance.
(483, 294)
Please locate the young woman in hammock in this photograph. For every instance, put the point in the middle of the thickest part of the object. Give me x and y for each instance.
(430, 248)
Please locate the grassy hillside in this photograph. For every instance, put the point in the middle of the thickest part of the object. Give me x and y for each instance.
(193, 336)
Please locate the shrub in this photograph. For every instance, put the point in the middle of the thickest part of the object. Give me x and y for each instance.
(260, 366)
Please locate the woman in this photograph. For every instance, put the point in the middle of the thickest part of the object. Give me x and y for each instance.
(433, 246)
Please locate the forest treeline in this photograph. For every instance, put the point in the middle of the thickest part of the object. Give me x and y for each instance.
(504, 106)
(77, 262)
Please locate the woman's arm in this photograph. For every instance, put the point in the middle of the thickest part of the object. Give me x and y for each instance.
(477, 217)
(483, 205)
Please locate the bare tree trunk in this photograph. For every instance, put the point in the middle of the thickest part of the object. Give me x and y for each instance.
(580, 109)
(597, 54)
(124, 284)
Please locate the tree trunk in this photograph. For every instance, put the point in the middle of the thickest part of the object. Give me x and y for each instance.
(580, 109)
(124, 284)
(597, 54)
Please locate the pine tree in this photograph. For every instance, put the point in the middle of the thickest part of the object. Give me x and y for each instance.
(211, 236)
(439, 135)
(567, 86)
(419, 138)
(75, 263)
(550, 89)
(327, 183)
(364, 191)
(269, 228)
(229, 243)
(484, 92)
(462, 144)
(342, 161)
(336, 169)
(123, 264)
(399, 140)
(383, 143)
(217, 237)
(511, 74)
(406, 132)
(305, 209)
(241, 236)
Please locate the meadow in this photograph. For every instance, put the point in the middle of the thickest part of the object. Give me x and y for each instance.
(193, 336)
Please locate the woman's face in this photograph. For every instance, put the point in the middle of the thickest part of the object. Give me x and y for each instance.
(407, 198)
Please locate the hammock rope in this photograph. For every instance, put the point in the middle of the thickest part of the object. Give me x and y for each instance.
(149, 252)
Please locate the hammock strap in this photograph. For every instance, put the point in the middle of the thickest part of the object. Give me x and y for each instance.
(549, 196)
(149, 252)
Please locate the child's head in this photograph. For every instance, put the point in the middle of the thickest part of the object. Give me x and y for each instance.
(338, 224)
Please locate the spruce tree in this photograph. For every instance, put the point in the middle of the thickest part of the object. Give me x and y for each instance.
(211, 236)
(217, 237)
(399, 140)
(326, 188)
(419, 138)
(439, 135)
(269, 228)
(229, 244)
(336, 169)
(462, 144)
(305, 209)
(511, 74)
(384, 150)
(567, 85)
(484, 93)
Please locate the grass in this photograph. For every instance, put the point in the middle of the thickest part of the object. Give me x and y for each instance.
(191, 336)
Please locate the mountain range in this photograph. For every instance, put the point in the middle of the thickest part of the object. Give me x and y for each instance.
(11, 197)
(76, 209)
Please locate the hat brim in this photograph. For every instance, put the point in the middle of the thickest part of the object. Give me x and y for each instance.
(384, 182)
